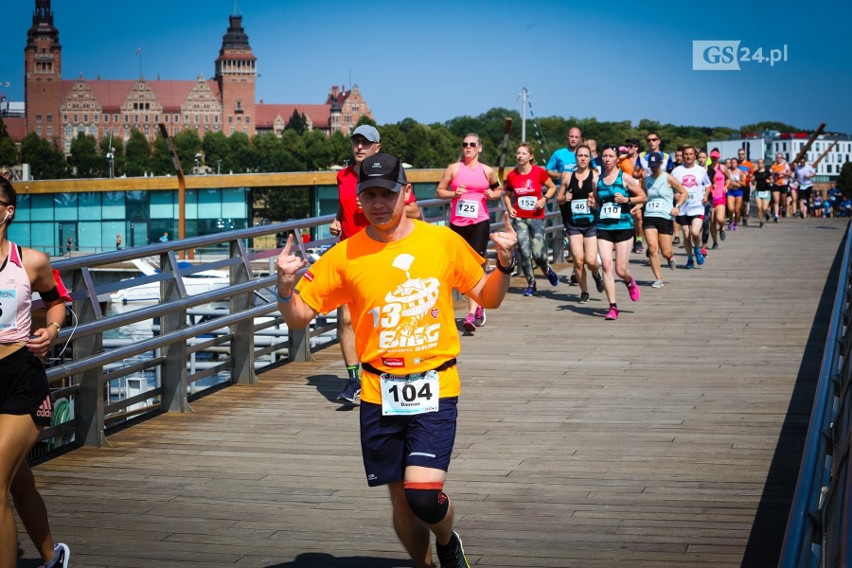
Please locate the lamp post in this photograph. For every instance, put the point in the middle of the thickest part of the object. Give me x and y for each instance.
(197, 162)
(218, 167)
(111, 159)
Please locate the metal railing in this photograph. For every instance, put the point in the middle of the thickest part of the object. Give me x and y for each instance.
(818, 529)
(91, 391)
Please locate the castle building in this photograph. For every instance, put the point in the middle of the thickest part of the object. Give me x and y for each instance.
(58, 109)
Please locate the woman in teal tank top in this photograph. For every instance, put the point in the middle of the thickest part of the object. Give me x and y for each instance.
(657, 223)
(618, 197)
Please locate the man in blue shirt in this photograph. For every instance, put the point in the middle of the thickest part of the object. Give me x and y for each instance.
(562, 161)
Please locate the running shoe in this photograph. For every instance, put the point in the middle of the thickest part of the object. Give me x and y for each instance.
(766, 215)
(633, 290)
(722, 234)
(551, 276)
(776, 218)
(704, 251)
(61, 556)
(351, 391)
(479, 317)
(612, 314)
(735, 227)
(676, 241)
(531, 289)
(715, 246)
(745, 222)
(638, 248)
(657, 284)
(730, 226)
(599, 282)
(690, 263)
(584, 297)
(468, 323)
(699, 258)
(573, 280)
(452, 555)
(672, 264)
(761, 224)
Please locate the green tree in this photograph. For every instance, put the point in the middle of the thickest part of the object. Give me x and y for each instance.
(341, 147)
(138, 154)
(318, 153)
(8, 150)
(273, 155)
(188, 145)
(844, 180)
(284, 203)
(216, 152)
(85, 159)
(161, 162)
(298, 122)
(46, 162)
(770, 125)
(242, 153)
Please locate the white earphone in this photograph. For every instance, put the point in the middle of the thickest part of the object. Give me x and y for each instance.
(6, 218)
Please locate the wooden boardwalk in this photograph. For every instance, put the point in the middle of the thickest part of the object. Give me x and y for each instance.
(671, 437)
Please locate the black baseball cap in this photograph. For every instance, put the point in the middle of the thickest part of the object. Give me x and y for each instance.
(381, 170)
(654, 160)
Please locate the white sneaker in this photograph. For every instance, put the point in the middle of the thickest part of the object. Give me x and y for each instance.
(657, 284)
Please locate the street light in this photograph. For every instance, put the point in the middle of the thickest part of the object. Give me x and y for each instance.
(218, 167)
(111, 158)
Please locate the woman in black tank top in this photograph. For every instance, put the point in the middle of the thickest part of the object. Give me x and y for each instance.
(574, 191)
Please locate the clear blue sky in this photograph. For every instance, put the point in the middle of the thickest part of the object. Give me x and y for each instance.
(435, 60)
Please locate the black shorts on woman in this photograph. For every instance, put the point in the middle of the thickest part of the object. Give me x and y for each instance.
(24, 388)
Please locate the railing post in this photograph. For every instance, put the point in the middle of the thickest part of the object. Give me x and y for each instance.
(89, 405)
(174, 367)
(299, 345)
(242, 346)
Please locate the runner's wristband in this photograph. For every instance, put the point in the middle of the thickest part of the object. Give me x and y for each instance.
(281, 299)
(507, 269)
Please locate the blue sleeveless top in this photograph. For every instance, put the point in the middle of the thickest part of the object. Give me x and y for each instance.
(660, 195)
(612, 216)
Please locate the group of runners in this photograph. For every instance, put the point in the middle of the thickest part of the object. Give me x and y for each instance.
(384, 273)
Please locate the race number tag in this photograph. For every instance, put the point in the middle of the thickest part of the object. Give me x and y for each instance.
(763, 195)
(403, 395)
(527, 203)
(467, 208)
(695, 197)
(8, 309)
(611, 211)
(580, 206)
(654, 206)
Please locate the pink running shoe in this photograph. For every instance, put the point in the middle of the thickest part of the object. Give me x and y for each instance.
(468, 323)
(612, 314)
(633, 289)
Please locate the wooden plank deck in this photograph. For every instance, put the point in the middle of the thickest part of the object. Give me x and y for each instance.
(671, 437)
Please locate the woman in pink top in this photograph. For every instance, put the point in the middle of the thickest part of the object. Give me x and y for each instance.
(720, 179)
(25, 405)
(470, 184)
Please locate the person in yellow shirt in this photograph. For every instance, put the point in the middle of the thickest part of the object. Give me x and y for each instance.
(397, 276)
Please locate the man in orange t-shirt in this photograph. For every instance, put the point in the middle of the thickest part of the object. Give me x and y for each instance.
(350, 219)
(399, 291)
(748, 169)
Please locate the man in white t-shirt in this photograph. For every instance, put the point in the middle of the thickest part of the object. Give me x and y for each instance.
(694, 179)
(805, 176)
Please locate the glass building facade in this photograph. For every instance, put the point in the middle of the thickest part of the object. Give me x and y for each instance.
(92, 220)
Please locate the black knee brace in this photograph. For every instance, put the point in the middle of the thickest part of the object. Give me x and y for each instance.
(428, 502)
